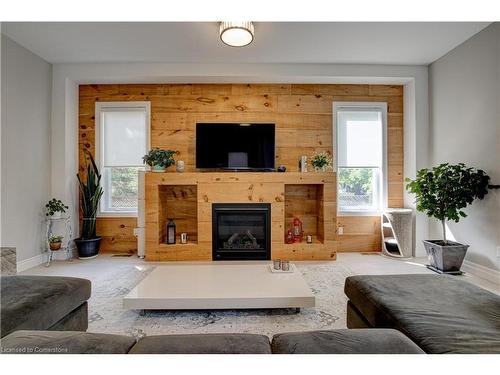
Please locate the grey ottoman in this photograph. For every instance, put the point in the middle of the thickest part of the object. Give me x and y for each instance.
(226, 343)
(440, 313)
(344, 341)
(43, 303)
(67, 342)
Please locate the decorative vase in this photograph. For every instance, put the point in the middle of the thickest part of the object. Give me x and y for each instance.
(180, 166)
(321, 169)
(157, 168)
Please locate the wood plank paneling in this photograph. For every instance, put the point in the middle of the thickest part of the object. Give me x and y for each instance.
(302, 114)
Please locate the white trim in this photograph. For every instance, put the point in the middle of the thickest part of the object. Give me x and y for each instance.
(116, 106)
(482, 272)
(380, 106)
(26, 264)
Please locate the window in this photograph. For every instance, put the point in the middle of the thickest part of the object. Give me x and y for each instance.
(361, 157)
(122, 139)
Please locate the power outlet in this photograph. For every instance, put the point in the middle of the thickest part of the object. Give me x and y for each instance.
(341, 231)
(136, 232)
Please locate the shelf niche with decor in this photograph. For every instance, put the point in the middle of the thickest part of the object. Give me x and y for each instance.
(178, 202)
(305, 202)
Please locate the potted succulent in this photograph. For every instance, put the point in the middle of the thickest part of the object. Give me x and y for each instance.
(90, 195)
(55, 242)
(442, 193)
(55, 208)
(321, 161)
(159, 159)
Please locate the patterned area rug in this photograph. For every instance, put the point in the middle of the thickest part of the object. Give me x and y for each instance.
(106, 313)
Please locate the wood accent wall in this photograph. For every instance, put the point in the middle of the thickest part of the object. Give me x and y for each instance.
(302, 114)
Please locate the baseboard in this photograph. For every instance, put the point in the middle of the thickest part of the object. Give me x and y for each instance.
(26, 264)
(481, 271)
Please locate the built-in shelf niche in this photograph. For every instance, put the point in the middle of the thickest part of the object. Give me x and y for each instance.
(180, 203)
(305, 201)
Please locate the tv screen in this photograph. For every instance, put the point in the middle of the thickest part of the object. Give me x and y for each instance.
(235, 146)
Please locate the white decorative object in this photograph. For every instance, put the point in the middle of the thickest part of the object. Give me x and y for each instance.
(180, 166)
(219, 286)
(236, 34)
(397, 239)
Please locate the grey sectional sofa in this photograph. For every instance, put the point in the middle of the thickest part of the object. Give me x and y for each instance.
(43, 303)
(357, 341)
(440, 313)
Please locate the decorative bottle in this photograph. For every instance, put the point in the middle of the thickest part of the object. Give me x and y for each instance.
(171, 232)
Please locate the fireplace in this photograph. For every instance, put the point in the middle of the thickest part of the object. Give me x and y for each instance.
(241, 231)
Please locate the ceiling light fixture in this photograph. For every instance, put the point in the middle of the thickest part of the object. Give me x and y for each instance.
(236, 34)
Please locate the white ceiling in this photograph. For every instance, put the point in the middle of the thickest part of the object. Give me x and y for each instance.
(275, 42)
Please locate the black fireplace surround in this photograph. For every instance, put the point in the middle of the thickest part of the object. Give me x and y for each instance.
(241, 231)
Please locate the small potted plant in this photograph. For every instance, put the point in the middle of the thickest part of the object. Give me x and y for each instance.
(442, 193)
(321, 162)
(55, 242)
(55, 208)
(90, 195)
(159, 159)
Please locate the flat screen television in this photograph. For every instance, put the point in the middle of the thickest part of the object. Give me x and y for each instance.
(235, 146)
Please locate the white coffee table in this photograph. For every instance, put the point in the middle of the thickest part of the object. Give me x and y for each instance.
(219, 285)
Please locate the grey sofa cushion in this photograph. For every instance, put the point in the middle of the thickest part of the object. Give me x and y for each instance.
(440, 313)
(229, 343)
(67, 342)
(39, 302)
(344, 341)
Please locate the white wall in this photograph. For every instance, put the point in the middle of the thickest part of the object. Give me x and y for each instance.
(68, 76)
(25, 148)
(464, 90)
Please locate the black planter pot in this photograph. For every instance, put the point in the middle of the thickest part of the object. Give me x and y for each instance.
(88, 249)
(445, 258)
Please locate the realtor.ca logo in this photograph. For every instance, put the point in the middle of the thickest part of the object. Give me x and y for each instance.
(32, 350)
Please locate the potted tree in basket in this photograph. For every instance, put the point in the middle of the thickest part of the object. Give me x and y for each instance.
(159, 159)
(90, 195)
(442, 193)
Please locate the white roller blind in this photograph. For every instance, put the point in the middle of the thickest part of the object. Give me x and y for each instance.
(124, 136)
(359, 138)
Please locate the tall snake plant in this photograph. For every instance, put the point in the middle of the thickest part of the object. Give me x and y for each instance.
(91, 192)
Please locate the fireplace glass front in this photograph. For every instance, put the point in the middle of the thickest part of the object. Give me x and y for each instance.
(241, 231)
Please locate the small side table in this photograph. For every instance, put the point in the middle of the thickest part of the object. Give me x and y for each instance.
(68, 234)
(397, 232)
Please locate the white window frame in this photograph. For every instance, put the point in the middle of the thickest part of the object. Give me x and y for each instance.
(363, 106)
(99, 150)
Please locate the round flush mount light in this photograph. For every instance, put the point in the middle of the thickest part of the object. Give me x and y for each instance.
(236, 34)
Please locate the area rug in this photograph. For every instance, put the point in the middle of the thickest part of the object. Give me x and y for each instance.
(107, 315)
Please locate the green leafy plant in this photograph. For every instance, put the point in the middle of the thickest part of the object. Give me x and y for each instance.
(160, 158)
(91, 192)
(321, 160)
(55, 239)
(444, 191)
(55, 205)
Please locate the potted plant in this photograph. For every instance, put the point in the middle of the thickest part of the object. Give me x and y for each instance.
(55, 242)
(90, 195)
(159, 159)
(442, 193)
(55, 208)
(321, 161)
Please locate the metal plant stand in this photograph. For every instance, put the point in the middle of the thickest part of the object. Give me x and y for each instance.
(68, 234)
